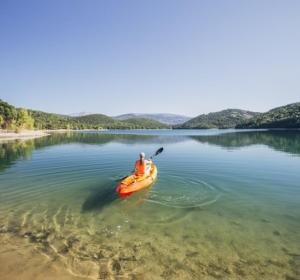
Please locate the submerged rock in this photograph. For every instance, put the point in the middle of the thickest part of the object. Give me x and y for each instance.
(64, 250)
(192, 254)
(27, 234)
(129, 258)
(116, 266)
(103, 275)
(3, 229)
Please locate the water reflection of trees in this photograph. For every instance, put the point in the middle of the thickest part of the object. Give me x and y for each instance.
(12, 151)
(101, 138)
(286, 141)
(89, 138)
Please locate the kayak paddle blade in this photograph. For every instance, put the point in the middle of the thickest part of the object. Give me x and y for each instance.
(159, 151)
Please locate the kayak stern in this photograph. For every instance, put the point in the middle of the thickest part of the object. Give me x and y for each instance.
(133, 184)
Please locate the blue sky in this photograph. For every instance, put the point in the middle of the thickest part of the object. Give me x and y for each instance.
(114, 57)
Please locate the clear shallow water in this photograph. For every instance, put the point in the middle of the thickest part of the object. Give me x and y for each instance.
(226, 204)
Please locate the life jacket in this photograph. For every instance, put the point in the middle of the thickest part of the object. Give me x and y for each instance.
(140, 168)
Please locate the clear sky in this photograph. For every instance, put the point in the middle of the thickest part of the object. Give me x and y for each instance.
(120, 56)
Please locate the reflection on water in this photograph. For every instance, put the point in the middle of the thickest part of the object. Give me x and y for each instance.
(12, 151)
(286, 141)
(229, 213)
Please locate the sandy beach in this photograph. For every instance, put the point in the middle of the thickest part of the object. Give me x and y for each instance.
(6, 135)
(22, 135)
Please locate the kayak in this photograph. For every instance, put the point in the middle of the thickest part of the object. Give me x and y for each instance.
(133, 183)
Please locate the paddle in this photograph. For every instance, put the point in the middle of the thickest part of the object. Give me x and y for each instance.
(159, 151)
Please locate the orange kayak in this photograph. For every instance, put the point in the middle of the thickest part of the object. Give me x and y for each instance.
(133, 183)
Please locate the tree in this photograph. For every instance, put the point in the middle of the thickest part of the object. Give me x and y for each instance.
(1, 121)
(24, 120)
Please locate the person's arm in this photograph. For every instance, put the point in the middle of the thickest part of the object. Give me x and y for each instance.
(148, 162)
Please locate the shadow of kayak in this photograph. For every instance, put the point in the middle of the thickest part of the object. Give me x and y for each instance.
(100, 197)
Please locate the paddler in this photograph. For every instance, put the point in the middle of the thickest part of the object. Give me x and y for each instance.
(142, 166)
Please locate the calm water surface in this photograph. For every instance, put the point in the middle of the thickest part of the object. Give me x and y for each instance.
(226, 205)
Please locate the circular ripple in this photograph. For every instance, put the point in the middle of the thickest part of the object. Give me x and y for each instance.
(181, 192)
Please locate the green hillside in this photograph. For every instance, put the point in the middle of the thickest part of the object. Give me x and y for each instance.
(44, 120)
(93, 121)
(282, 117)
(12, 118)
(223, 119)
(145, 123)
(98, 121)
(169, 119)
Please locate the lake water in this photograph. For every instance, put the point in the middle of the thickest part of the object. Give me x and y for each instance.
(226, 205)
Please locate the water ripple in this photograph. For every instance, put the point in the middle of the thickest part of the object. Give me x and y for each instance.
(181, 192)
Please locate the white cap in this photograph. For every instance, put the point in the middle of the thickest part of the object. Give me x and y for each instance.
(142, 154)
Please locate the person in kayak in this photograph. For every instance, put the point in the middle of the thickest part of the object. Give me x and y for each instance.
(142, 166)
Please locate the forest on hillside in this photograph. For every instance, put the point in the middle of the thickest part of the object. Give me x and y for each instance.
(12, 118)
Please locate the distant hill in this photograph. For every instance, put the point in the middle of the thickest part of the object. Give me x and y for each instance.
(44, 120)
(99, 121)
(80, 114)
(94, 121)
(170, 119)
(282, 117)
(108, 122)
(145, 123)
(223, 119)
(12, 118)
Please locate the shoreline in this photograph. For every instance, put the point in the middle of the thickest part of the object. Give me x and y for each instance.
(22, 135)
(6, 135)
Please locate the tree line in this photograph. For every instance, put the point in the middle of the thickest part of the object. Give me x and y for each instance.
(12, 118)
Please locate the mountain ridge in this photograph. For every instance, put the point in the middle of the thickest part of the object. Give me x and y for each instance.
(227, 118)
(166, 118)
(12, 118)
(287, 116)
